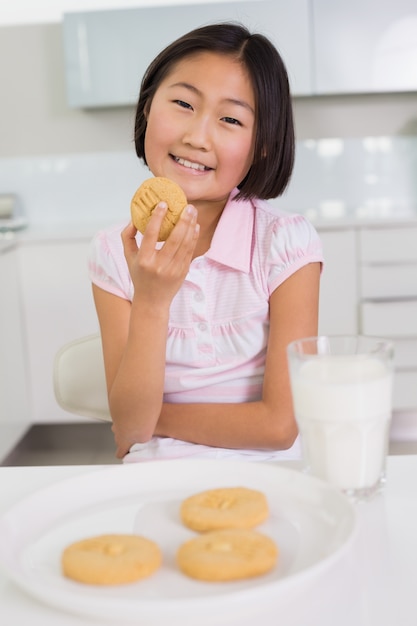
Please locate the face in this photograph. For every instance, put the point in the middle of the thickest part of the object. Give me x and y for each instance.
(201, 127)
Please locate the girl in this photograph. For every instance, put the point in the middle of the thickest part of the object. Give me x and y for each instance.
(195, 330)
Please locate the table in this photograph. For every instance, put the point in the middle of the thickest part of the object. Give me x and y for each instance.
(373, 584)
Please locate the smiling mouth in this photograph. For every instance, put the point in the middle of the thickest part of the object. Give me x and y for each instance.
(191, 165)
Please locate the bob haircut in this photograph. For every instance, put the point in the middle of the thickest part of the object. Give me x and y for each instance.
(274, 146)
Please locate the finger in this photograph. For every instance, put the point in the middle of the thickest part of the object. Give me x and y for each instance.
(129, 239)
(151, 234)
(185, 251)
(185, 225)
(129, 231)
(180, 245)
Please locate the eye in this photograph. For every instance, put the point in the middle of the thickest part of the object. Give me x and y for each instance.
(183, 104)
(231, 120)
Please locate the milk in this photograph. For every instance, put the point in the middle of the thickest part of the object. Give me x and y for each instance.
(343, 409)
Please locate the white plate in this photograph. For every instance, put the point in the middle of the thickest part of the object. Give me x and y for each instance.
(311, 522)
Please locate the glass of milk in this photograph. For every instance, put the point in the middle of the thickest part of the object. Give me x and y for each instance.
(342, 396)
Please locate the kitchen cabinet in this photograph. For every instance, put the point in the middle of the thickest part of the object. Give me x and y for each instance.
(328, 46)
(364, 46)
(58, 307)
(338, 285)
(107, 52)
(14, 402)
(369, 286)
(388, 300)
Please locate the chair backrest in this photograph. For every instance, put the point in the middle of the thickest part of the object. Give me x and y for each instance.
(79, 379)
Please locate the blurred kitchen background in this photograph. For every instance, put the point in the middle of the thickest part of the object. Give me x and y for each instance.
(70, 74)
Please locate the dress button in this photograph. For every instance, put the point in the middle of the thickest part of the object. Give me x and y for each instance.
(202, 326)
(199, 296)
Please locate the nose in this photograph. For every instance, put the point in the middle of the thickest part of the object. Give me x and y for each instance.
(199, 133)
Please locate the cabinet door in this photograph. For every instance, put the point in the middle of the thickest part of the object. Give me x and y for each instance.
(389, 281)
(365, 46)
(396, 318)
(107, 52)
(405, 391)
(338, 290)
(14, 407)
(388, 245)
(58, 307)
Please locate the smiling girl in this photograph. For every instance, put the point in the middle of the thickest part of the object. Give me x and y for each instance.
(195, 330)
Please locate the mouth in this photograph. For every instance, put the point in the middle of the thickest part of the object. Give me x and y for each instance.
(191, 164)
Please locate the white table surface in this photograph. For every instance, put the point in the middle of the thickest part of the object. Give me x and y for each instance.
(374, 583)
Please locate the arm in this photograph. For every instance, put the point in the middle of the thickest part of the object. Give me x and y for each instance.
(268, 423)
(134, 334)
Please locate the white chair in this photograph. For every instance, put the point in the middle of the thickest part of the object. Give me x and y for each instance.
(79, 379)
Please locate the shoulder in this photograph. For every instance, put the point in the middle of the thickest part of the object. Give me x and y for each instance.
(284, 242)
(272, 214)
(274, 223)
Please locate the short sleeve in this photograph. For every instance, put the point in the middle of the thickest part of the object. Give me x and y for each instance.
(107, 266)
(294, 243)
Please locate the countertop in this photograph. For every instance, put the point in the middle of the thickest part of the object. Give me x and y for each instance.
(64, 231)
(85, 230)
(332, 216)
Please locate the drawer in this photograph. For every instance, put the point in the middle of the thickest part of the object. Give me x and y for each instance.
(389, 319)
(388, 244)
(389, 281)
(405, 390)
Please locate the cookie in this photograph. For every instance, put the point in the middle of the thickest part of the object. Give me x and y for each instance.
(152, 191)
(111, 559)
(226, 555)
(227, 507)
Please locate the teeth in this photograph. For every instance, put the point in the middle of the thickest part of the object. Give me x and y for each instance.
(193, 166)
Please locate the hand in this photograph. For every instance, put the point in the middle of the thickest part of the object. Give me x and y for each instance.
(157, 274)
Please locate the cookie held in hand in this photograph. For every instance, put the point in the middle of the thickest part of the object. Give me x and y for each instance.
(150, 193)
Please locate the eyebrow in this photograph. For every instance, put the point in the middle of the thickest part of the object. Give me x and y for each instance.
(236, 101)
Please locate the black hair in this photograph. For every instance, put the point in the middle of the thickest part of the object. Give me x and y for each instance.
(274, 147)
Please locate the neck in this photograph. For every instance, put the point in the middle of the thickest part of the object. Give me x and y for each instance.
(208, 218)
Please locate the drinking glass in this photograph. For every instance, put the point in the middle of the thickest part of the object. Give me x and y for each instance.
(342, 395)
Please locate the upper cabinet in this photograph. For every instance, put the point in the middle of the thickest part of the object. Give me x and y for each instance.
(364, 46)
(329, 46)
(107, 52)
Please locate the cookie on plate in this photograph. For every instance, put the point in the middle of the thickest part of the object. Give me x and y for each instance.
(150, 193)
(225, 507)
(226, 555)
(111, 559)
